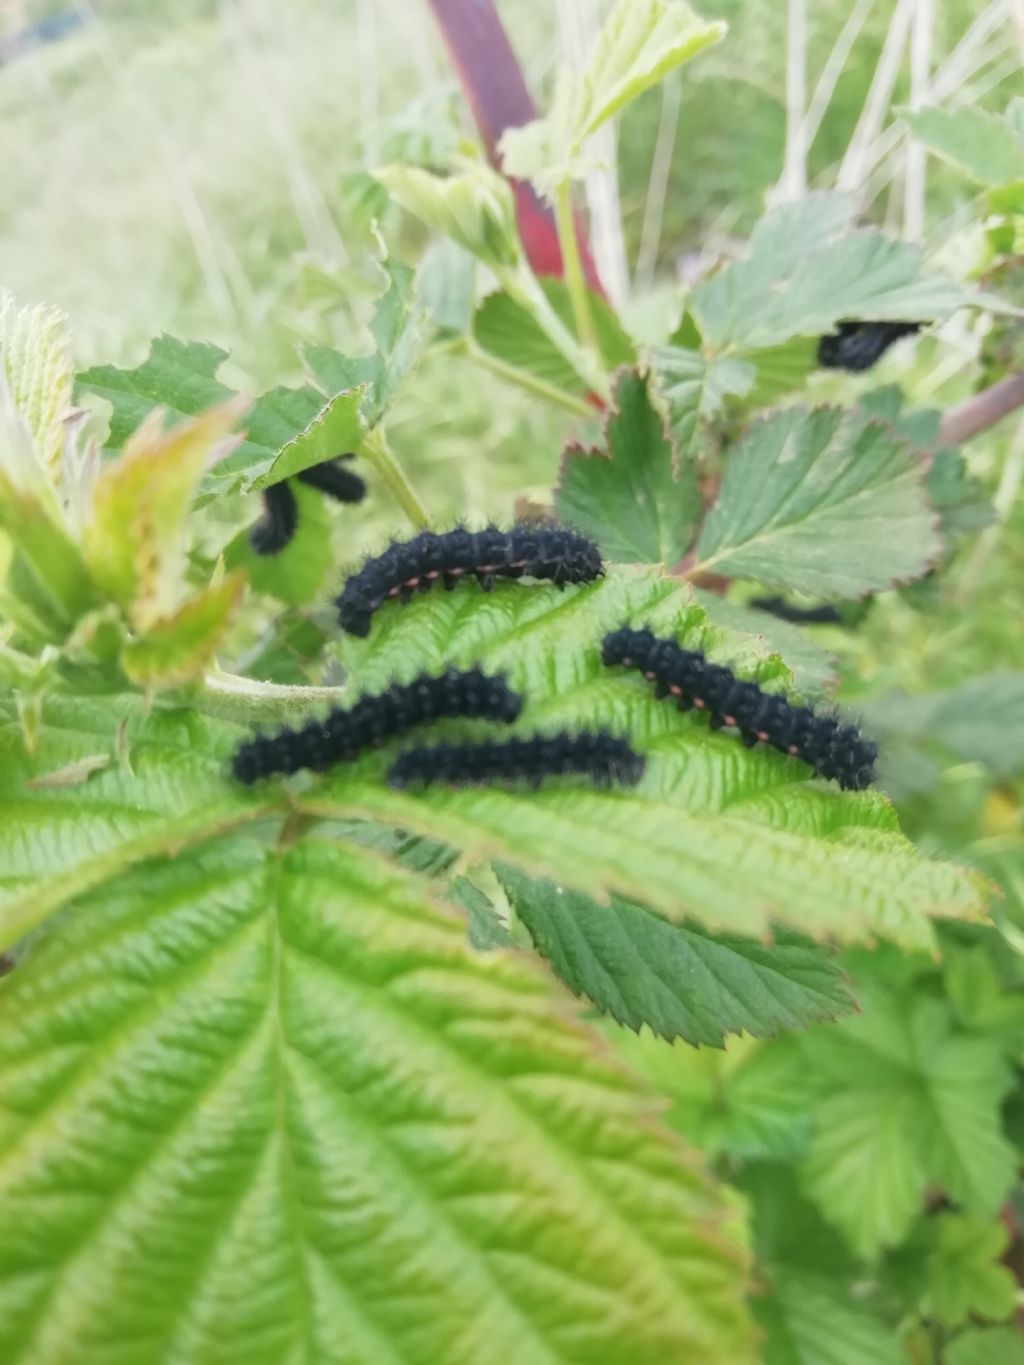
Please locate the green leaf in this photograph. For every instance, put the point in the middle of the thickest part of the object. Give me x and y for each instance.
(508, 331)
(473, 206)
(639, 501)
(296, 573)
(35, 361)
(750, 1100)
(985, 1346)
(735, 839)
(980, 144)
(678, 981)
(446, 284)
(261, 1106)
(825, 502)
(640, 43)
(134, 537)
(180, 377)
(983, 1004)
(165, 788)
(177, 648)
(809, 1319)
(964, 1277)
(695, 388)
(981, 721)
(397, 330)
(486, 929)
(809, 268)
(915, 1104)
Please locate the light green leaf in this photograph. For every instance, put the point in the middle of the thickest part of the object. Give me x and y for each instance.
(260, 1107)
(981, 721)
(808, 268)
(980, 144)
(639, 501)
(508, 332)
(296, 573)
(397, 329)
(809, 1319)
(825, 502)
(486, 928)
(640, 43)
(180, 377)
(732, 838)
(914, 1104)
(986, 1345)
(177, 648)
(473, 206)
(445, 285)
(694, 388)
(134, 538)
(983, 1004)
(166, 787)
(751, 1100)
(35, 358)
(964, 1277)
(678, 981)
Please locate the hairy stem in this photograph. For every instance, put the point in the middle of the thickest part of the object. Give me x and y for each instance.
(233, 697)
(376, 451)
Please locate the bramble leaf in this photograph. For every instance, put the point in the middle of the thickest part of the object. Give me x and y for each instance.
(730, 838)
(694, 387)
(35, 361)
(809, 268)
(275, 1104)
(473, 206)
(678, 981)
(982, 145)
(640, 43)
(825, 502)
(963, 1274)
(639, 501)
(917, 1103)
(984, 1345)
(809, 1319)
(299, 425)
(508, 332)
(751, 1100)
(176, 648)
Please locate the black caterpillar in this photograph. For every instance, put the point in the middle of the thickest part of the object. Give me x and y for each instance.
(280, 517)
(550, 552)
(824, 743)
(601, 756)
(345, 732)
(799, 616)
(857, 346)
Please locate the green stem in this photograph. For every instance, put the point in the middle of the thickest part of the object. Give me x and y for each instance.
(523, 286)
(236, 698)
(572, 266)
(579, 407)
(376, 451)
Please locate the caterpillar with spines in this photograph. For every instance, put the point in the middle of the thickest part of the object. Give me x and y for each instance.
(833, 749)
(597, 754)
(277, 526)
(405, 567)
(346, 732)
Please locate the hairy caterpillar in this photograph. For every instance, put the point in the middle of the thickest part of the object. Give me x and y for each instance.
(857, 346)
(550, 552)
(831, 748)
(344, 733)
(601, 756)
(276, 527)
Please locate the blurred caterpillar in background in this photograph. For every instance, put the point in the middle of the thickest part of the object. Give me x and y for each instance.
(277, 526)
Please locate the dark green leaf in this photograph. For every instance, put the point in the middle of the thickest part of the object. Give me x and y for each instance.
(678, 981)
(640, 500)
